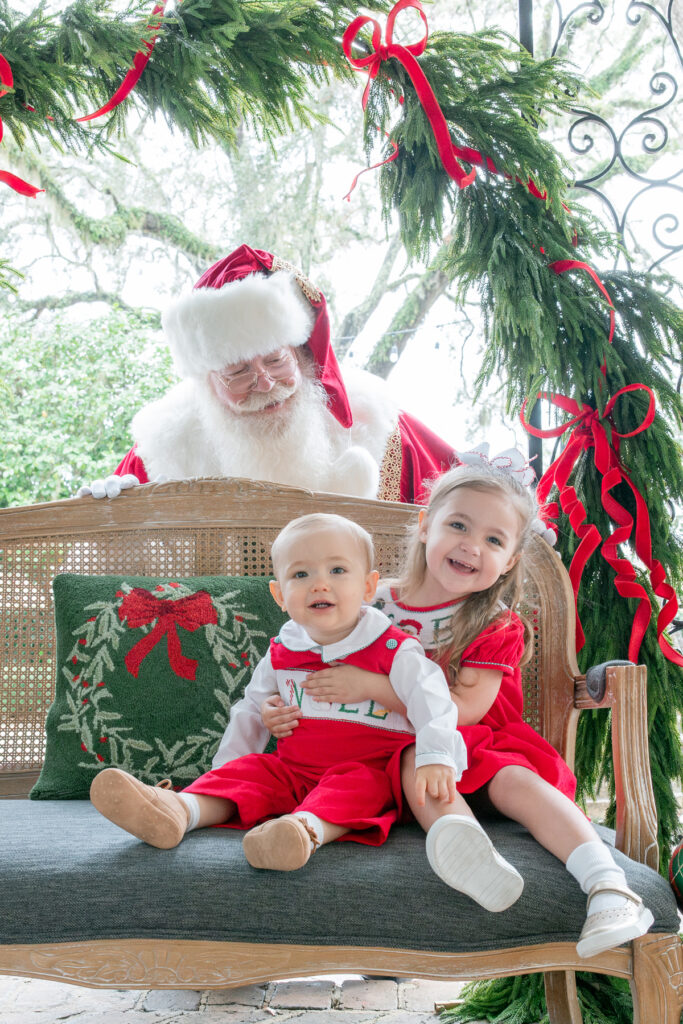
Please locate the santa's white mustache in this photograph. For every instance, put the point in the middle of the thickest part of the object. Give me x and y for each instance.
(257, 400)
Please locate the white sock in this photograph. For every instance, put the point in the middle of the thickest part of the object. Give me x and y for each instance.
(592, 862)
(192, 804)
(313, 822)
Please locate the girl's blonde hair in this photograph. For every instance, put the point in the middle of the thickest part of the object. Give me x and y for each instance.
(479, 609)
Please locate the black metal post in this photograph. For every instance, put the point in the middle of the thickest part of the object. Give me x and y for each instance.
(525, 9)
(526, 24)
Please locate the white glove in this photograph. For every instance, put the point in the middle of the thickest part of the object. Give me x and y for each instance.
(548, 535)
(354, 472)
(110, 487)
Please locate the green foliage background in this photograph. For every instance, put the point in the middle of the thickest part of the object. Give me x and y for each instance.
(68, 393)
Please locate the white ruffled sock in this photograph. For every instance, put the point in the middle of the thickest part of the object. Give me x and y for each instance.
(592, 862)
(192, 805)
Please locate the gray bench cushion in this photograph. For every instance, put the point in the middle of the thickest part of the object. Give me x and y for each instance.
(68, 875)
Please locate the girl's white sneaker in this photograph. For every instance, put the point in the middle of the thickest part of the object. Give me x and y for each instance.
(463, 856)
(608, 928)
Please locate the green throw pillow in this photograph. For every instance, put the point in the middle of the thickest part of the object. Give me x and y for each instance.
(147, 670)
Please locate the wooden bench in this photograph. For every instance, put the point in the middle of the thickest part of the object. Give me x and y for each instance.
(353, 909)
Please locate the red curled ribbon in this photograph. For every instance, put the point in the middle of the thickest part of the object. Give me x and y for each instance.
(18, 184)
(560, 266)
(589, 432)
(373, 166)
(406, 55)
(141, 608)
(133, 76)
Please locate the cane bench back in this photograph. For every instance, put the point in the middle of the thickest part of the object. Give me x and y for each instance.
(214, 527)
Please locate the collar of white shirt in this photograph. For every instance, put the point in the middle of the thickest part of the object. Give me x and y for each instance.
(371, 624)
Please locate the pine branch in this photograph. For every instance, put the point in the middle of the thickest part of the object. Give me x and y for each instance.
(215, 63)
(8, 276)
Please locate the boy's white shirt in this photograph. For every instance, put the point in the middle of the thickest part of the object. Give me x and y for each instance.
(417, 681)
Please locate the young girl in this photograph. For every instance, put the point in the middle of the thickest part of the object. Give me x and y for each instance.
(462, 577)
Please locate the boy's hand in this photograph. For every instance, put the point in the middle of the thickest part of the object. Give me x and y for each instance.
(279, 718)
(437, 780)
(340, 684)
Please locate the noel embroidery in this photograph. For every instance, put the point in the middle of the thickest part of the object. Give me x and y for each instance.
(141, 608)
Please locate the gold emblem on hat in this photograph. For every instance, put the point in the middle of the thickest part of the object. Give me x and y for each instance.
(307, 287)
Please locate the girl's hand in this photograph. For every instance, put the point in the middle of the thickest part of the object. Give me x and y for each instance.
(437, 780)
(346, 684)
(279, 718)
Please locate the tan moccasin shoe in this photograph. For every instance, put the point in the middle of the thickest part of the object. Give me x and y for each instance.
(281, 844)
(153, 814)
(608, 928)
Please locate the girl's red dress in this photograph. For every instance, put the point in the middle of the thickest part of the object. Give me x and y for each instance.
(502, 737)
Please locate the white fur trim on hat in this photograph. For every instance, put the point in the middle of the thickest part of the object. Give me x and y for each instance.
(213, 327)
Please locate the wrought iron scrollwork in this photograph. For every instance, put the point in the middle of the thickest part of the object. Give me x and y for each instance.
(630, 182)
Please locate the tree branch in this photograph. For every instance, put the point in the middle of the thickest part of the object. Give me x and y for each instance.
(356, 319)
(431, 285)
(111, 231)
(52, 302)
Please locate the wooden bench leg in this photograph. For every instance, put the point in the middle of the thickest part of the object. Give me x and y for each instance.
(561, 998)
(657, 985)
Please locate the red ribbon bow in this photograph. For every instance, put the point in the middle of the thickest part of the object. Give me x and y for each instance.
(141, 608)
(406, 55)
(590, 432)
(18, 184)
(448, 151)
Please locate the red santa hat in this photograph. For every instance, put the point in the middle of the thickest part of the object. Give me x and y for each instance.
(247, 305)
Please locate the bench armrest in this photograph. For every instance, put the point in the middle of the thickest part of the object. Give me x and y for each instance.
(622, 686)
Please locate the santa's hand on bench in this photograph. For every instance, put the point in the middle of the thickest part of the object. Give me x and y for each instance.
(110, 487)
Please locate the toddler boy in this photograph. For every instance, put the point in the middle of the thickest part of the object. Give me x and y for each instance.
(338, 775)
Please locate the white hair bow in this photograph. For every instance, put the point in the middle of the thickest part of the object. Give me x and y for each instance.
(510, 461)
(513, 462)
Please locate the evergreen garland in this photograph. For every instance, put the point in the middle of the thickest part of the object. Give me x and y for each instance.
(215, 64)
(521, 1000)
(547, 332)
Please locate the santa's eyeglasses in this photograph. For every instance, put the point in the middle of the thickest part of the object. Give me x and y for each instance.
(278, 366)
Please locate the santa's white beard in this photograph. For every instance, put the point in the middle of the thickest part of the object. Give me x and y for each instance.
(291, 445)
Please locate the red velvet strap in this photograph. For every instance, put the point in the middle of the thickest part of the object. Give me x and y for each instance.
(560, 266)
(132, 77)
(406, 56)
(18, 184)
(589, 432)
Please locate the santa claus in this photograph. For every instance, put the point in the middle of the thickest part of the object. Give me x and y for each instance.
(262, 396)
